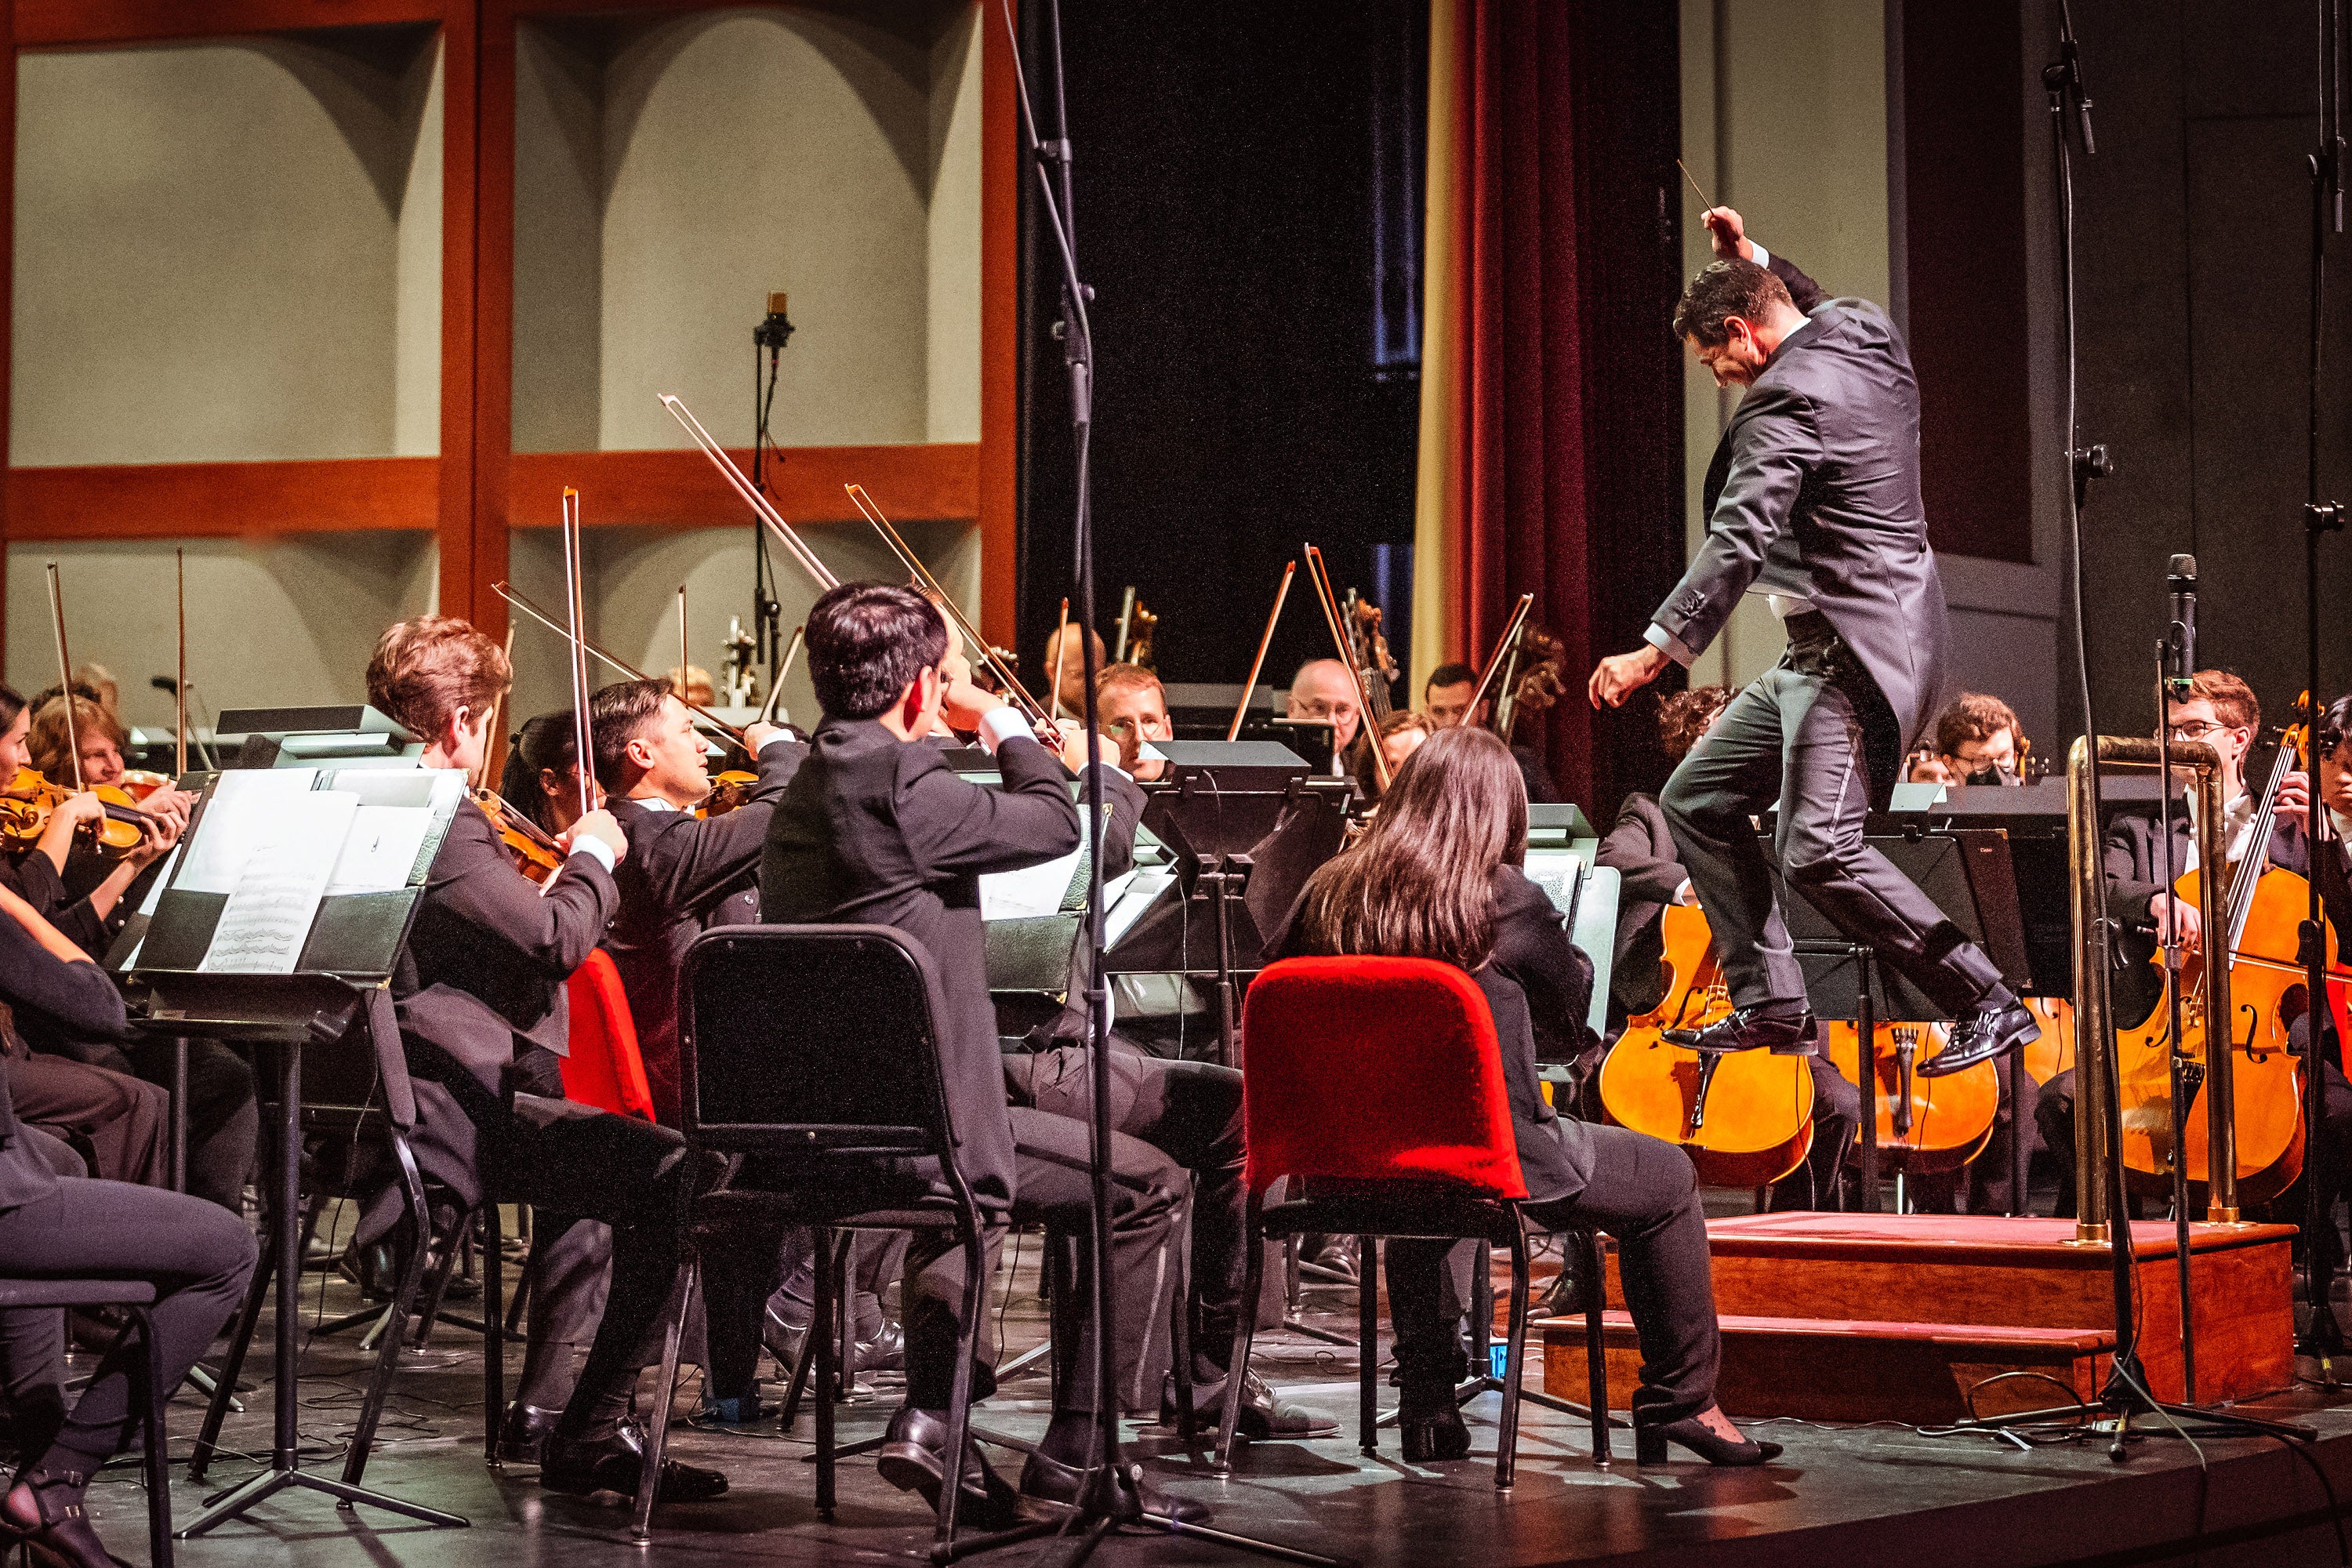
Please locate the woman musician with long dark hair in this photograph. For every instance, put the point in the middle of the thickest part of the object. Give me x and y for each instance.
(1438, 876)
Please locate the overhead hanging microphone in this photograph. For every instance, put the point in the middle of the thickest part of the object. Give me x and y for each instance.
(2180, 633)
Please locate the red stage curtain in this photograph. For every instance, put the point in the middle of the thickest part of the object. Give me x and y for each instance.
(1566, 418)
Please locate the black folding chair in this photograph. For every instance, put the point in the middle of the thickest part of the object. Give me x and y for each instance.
(136, 1299)
(814, 1052)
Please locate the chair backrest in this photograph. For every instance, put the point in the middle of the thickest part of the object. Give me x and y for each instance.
(604, 1068)
(1365, 1070)
(811, 1038)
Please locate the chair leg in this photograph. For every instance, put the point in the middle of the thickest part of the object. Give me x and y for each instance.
(1179, 1359)
(641, 1529)
(446, 1245)
(1244, 1328)
(152, 1396)
(1506, 1456)
(975, 1304)
(822, 1344)
(520, 1300)
(1596, 1348)
(248, 1313)
(796, 1383)
(1368, 1343)
(390, 1344)
(494, 1341)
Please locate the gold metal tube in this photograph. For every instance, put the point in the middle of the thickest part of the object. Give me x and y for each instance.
(2221, 1066)
(2095, 1035)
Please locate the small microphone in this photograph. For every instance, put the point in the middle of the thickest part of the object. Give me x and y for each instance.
(165, 683)
(775, 329)
(2180, 634)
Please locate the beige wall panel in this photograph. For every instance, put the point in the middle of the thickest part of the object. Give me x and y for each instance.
(209, 248)
(952, 379)
(285, 620)
(559, 262)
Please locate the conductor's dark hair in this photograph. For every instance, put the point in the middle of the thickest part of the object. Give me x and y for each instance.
(1724, 290)
(544, 743)
(867, 643)
(618, 714)
(1447, 674)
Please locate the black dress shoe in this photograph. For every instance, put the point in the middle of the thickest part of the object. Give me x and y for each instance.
(783, 1336)
(1785, 1034)
(886, 1351)
(522, 1436)
(912, 1458)
(1984, 1032)
(1338, 1256)
(1047, 1480)
(580, 1467)
(1263, 1416)
(1434, 1439)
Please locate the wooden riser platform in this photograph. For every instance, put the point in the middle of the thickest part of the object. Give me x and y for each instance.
(1819, 1370)
(1892, 1317)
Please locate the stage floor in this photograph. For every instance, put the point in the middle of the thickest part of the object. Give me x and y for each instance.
(1839, 1496)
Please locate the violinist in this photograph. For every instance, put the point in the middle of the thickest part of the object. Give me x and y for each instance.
(481, 994)
(40, 877)
(1976, 743)
(1438, 876)
(2223, 712)
(1066, 667)
(1444, 696)
(1401, 735)
(1133, 708)
(1642, 848)
(542, 776)
(1324, 691)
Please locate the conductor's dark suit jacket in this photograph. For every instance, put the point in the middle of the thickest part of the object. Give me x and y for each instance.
(1814, 491)
(875, 831)
(680, 868)
(1639, 845)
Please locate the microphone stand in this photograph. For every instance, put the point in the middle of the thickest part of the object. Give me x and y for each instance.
(2323, 1338)
(1111, 1494)
(772, 333)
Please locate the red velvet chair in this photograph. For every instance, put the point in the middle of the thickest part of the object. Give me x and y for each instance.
(604, 1068)
(1378, 1084)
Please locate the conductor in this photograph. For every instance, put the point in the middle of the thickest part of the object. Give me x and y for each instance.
(1813, 500)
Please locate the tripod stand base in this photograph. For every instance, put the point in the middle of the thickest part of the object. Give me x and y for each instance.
(248, 1494)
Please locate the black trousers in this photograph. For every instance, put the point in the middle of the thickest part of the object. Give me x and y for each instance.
(123, 1121)
(198, 1255)
(1192, 1112)
(1641, 1191)
(224, 1112)
(572, 1274)
(1816, 734)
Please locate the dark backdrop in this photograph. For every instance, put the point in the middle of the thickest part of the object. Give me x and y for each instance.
(1249, 211)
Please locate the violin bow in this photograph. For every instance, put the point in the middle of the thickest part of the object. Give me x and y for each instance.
(1320, 576)
(506, 592)
(1289, 570)
(180, 691)
(1061, 653)
(973, 641)
(1495, 663)
(64, 670)
(685, 663)
(583, 732)
(793, 543)
(498, 719)
(776, 686)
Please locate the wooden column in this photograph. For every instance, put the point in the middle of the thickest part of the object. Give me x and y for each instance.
(1002, 165)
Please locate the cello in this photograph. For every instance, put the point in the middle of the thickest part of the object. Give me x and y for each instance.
(1746, 1119)
(2261, 917)
(1926, 1126)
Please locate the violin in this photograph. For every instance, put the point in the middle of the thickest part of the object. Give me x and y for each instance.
(1368, 650)
(2262, 918)
(139, 784)
(1534, 679)
(30, 797)
(534, 854)
(729, 790)
(1925, 1125)
(1745, 1119)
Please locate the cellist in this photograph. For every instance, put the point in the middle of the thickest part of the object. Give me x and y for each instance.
(2219, 711)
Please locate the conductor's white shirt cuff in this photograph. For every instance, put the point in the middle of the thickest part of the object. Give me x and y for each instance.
(1665, 642)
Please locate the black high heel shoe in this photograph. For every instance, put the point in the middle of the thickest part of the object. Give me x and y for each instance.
(63, 1539)
(1431, 1438)
(1650, 1444)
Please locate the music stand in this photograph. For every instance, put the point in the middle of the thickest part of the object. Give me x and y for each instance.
(1968, 873)
(253, 944)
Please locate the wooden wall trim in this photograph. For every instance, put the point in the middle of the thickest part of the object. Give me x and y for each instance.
(179, 500)
(8, 10)
(491, 281)
(1001, 163)
(70, 24)
(681, 489)
(458, 518)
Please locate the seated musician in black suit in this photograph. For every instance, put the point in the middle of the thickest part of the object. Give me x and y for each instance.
(483, 1015)
(2223, 712)
(1438, 877)
(54, 1224)
(1640, 846)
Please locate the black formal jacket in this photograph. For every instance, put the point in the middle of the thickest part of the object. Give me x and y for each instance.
(32, 879)
(679, 868)
(1126, 800)
(42, 989)
(1536, 981)
(479, 987)
(875, 831)
(1639, 845)
(1814, 491)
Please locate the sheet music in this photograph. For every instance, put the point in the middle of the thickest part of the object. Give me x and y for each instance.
(242, 817)
(1557, 872)
(1135, 892)
(276, 895)
(1031, 892)
(396, 810)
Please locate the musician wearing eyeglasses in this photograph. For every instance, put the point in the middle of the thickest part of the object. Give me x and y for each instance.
(1977, 741)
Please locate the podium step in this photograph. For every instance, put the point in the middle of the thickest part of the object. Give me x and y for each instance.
(1826, 1370)
(1959, 1275)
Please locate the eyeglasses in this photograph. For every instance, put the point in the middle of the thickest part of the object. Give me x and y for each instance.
(2196, 730)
